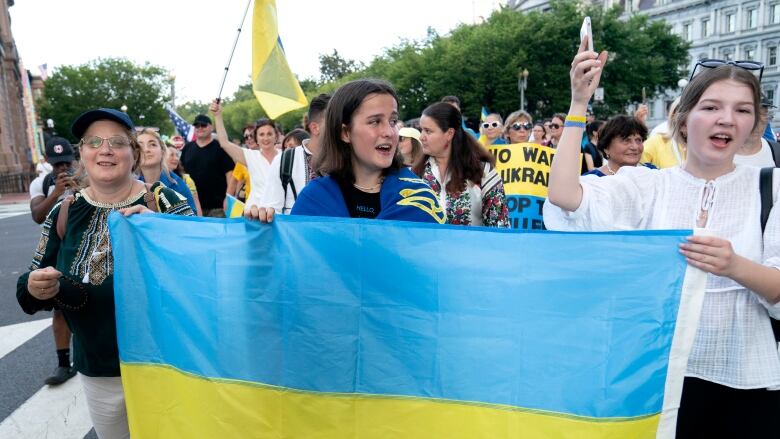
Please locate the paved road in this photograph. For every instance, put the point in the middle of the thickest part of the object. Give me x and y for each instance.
(28, 408)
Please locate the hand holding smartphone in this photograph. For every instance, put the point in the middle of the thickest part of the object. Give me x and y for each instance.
(587, 33)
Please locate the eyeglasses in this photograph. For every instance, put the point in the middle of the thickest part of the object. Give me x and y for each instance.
(554, 126)
(114, 142)
(200, 125)
(519, 126)
(248, 136)
(486, 125)
(713, 63)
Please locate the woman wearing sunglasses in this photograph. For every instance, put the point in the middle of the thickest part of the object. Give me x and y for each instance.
(492, 130)
(518, 127)
(734, 358)
(72, 269)
(460, 170)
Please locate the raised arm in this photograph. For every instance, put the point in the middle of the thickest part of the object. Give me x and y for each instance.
(564, 189)
(234, 151)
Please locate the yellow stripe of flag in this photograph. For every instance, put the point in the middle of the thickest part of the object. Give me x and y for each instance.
(274, 84)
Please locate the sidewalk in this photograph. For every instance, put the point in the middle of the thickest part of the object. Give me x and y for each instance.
(19, 198)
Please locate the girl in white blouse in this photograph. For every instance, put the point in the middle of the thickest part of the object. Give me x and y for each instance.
(734, 359)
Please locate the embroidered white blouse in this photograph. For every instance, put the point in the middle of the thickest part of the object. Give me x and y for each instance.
(734, 344)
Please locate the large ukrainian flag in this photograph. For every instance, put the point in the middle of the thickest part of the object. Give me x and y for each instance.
(341, 328)
(273, 83)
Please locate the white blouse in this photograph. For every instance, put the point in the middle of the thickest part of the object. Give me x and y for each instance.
(259, 167)
(734, 344)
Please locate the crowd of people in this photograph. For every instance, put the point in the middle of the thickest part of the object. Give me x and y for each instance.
(353, 157)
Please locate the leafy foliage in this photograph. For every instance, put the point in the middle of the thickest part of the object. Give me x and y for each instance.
(110, 83)
(481, 63)
(333, 66)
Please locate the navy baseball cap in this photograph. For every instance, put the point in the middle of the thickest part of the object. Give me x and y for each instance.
(86, 119)
(202, 119)
(59, 150)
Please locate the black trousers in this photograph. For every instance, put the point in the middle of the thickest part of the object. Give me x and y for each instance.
(709, 410)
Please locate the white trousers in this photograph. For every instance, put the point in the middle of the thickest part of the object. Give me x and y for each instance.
(106, 403)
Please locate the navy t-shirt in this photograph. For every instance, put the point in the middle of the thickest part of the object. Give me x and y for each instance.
(360, 204)
(207, 166)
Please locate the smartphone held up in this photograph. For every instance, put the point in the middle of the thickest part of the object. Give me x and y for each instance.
(586, 32)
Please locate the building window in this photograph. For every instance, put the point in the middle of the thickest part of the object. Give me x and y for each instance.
(774, 13)
(751, 18)
(750, 53)
(771, 55)
(686, 32)
(770, 95)
(729, 22)
(705, 27)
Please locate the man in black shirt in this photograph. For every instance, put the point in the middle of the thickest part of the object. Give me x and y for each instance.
(209, 166)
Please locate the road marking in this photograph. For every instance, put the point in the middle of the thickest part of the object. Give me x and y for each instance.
(53, 412)
(13, 336)
(14, 209)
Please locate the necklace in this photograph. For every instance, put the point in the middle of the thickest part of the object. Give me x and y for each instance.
(91, 197)
(373, 188)
(611, 172)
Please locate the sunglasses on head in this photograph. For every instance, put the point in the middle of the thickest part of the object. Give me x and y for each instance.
(493, 124)
(713, 63)
(518, 126)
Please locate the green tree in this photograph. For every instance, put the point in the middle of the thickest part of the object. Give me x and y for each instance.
(189, 110)
(333, 66)
(480, 63)
(110, 83)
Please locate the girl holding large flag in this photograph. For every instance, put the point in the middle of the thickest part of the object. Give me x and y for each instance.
(734, 358)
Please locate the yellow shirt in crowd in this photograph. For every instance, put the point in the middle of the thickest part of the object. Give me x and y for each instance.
(660, 152)
(241, 174)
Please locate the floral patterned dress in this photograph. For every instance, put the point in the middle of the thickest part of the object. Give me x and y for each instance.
(481, 204)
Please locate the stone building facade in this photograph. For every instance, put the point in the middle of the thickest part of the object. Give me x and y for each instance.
(722, 29)
(14, 139)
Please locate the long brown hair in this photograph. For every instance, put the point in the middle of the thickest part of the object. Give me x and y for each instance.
(335, 157)
(467, 155)
(701, 82)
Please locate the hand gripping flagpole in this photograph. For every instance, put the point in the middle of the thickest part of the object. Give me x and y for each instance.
(235, 43)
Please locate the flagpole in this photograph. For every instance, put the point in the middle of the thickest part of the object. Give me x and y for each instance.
(235, 43)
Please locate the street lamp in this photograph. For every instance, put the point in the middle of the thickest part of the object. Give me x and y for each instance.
(172, 81)
(123, 108)
(522, 84)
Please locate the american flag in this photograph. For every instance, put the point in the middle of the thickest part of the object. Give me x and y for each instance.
(182, 126)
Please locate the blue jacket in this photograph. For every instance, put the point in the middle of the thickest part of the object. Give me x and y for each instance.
(403, 196)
